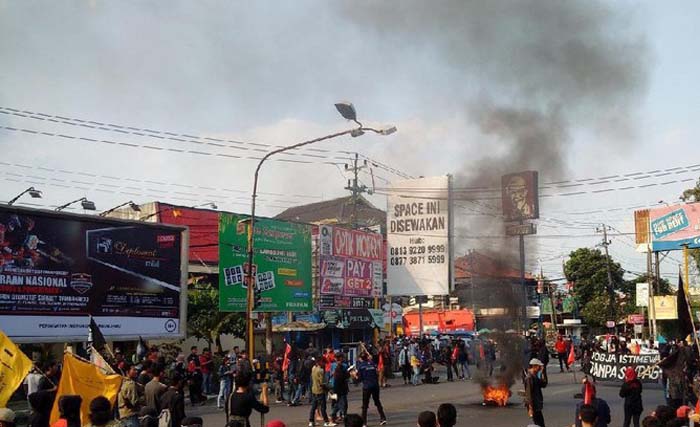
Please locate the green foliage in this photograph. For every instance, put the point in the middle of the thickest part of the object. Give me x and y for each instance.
(586, 268)
(205, 321)
(596, 310)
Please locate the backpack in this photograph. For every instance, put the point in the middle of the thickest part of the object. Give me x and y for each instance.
(164, 420)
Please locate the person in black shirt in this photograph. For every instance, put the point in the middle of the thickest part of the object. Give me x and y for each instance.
(341, 376)
(535, 381)
(631, 391)
(242, 401)
(173, 400)
(51, 377)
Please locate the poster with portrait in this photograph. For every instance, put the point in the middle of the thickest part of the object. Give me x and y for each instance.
(520, 197)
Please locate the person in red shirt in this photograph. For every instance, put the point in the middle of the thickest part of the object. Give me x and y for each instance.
(206, 363)
(560, 346)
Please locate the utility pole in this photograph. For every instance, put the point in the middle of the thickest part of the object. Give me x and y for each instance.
(611, 291)
(355, 188)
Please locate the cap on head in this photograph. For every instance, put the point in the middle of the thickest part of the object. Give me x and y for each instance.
(536, 362)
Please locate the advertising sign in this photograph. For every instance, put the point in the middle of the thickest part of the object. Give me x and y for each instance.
(612, 367)
(56, 269)
(350, 265)
(670, 227)
(520, 196)
(642, 296)
(354, 319)
(281, 264)
(665, 307)
(635, 319)
(418, 237)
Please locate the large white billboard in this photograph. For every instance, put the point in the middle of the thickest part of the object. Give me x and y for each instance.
(418, 252)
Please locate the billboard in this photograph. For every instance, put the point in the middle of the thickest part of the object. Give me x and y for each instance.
(281, 264)
(56, 269)
(665, 307)
(520, 196)
(350, 265)
(670, 227)
(418, 243)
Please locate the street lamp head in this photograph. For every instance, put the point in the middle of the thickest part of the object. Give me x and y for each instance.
(387, 130)
(88, 205)
(36, 194)
(347, 110)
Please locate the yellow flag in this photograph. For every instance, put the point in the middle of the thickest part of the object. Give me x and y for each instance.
(87, 380)
(14, 366)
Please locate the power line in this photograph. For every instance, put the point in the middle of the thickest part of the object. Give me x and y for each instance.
(143, 182)
(188, 137)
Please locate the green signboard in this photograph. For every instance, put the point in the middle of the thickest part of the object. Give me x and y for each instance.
(281, 264)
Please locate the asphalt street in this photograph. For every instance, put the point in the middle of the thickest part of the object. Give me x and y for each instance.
(402, 404)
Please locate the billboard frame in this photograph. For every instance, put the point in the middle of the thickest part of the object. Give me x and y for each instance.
(184, 271)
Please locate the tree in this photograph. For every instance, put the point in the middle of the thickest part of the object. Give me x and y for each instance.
(693, 195)
(596, 310)
(586, 268)
(205, 321)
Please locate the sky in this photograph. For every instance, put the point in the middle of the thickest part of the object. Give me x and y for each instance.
(175, 101)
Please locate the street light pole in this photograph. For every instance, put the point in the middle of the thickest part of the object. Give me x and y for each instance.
(348, 111)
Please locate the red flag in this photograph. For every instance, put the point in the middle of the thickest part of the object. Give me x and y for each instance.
(285, 361)
(572, 356)
(588, 394)
(380, 365)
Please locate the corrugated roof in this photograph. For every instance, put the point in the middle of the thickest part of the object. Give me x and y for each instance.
(336, 211)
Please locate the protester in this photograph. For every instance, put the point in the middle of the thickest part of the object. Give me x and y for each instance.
(242, 401)
(631, 391)
(319, 387)
(560, 347)
(154, 390)
(535, 381)
(194, 371)
(31, 383)
(206, 364)
(366, 373)
(51, 376)
(463, 359)
(587, 416)
(405, 364)
(279, 378)
(415, 364)
(69, 411)
(341, 376)
(101, 414)
(664, 414)
(651, 421)
(146, 375)
(427, 419)
(601, 407)
(148, 417)
(682, 414)
(172, 402)
(225, 382)
(447, 415)
(7, 417)
(41, 403)
(129, 400)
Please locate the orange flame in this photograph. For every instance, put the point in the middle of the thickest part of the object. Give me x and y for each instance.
(498, 395)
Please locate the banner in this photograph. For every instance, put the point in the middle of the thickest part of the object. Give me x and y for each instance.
(669, 227)
(88, 381)
(14, 366)
(354, 319)
(418, 237)
(350, 264)
(56, 269)
(611, 367)
(642, 295)
(665, 307)
(281, 264)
